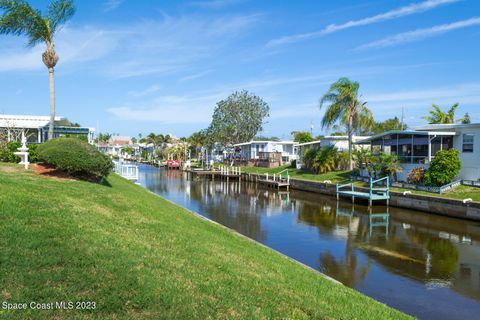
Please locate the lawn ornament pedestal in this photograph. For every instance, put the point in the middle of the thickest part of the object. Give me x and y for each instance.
(23, 153)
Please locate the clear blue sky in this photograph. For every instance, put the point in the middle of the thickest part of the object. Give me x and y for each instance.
(142, 66)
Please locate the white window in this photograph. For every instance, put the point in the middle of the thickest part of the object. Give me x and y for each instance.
(467, 145)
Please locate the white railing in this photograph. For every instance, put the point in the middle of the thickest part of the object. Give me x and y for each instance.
(127, 171)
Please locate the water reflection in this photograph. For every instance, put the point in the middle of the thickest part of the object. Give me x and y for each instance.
(390, 254)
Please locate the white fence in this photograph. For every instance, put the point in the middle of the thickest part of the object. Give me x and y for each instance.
(128, 171)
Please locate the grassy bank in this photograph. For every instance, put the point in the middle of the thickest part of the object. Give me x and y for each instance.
(139, 256)
(459, 193)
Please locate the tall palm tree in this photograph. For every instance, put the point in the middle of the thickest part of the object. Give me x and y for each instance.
(19, 18)
(438, 116)
(346, 108)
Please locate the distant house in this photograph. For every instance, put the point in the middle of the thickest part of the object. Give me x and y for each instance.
(339, 142)
(265, 153)
(36, 128)
(417, 148)
(115, 145)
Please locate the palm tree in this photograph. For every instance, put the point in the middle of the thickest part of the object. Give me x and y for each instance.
(19, 18)
(438, 116)
(346, 108)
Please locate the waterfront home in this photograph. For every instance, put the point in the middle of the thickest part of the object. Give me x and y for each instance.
(339, 142)
(36, 128)
(265, 153)
(416, 148)
(115, 145)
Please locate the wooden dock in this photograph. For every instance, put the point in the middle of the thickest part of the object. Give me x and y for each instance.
(276, 180)
(374, 194)
(223, 172)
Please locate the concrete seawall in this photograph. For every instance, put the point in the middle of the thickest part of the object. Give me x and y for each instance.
(430, 204)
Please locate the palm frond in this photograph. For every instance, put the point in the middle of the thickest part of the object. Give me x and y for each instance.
(59, 11)
(19, 18)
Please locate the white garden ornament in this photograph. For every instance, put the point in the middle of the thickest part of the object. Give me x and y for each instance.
(23, 152)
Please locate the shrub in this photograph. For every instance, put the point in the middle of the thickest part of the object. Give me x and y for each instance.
(7, 149)
(443, 168)
(33, 154)
(416, 176)
(75, 157)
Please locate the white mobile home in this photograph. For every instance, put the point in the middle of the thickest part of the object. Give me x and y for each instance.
(417, 148)
(274, 152)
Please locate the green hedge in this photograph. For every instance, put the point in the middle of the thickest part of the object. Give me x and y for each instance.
(75, 157)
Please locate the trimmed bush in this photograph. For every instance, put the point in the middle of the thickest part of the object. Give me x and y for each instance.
(7, 149)
(75, 157)
(443, 168)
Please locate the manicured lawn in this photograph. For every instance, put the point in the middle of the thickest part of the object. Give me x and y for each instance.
(334, 176)
(139, 256)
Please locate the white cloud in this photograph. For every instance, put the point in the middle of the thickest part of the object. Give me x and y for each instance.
(420, 34)
(195, 75)
(152, 89)
(215, 4)
(389, 15)
(162, 46)
(110, 5)
(73, 46)
(418, 101)
(171, 109)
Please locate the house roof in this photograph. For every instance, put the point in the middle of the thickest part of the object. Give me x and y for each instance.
(264, 141)
(308, 143)
(23, 121)
(411, 132)
(447, 126)
(326, 138)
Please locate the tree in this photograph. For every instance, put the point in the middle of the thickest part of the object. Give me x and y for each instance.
(443, 168)
(387, 125)
(325, 160)
(103, 137)
(197, 140)
(19, 18)
(466, 119)
(346, 108)
(438, 116)
(238, 118)
(302, 136)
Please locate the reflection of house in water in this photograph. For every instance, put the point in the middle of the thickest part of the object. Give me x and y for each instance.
(419, 246)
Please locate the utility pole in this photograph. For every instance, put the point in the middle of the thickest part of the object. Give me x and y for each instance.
(403, 117)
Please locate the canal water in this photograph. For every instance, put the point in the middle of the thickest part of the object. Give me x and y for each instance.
(423, 264)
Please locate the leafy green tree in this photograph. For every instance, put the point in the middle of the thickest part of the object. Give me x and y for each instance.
(238, 118)
(443, 168)
(438, 116)
(466, 119)
(387, 125)
(134, 140)
(344, 106)
(19, 18)
(302, 136)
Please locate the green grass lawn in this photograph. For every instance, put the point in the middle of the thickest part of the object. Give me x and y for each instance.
(139, 256)
(334, 176)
